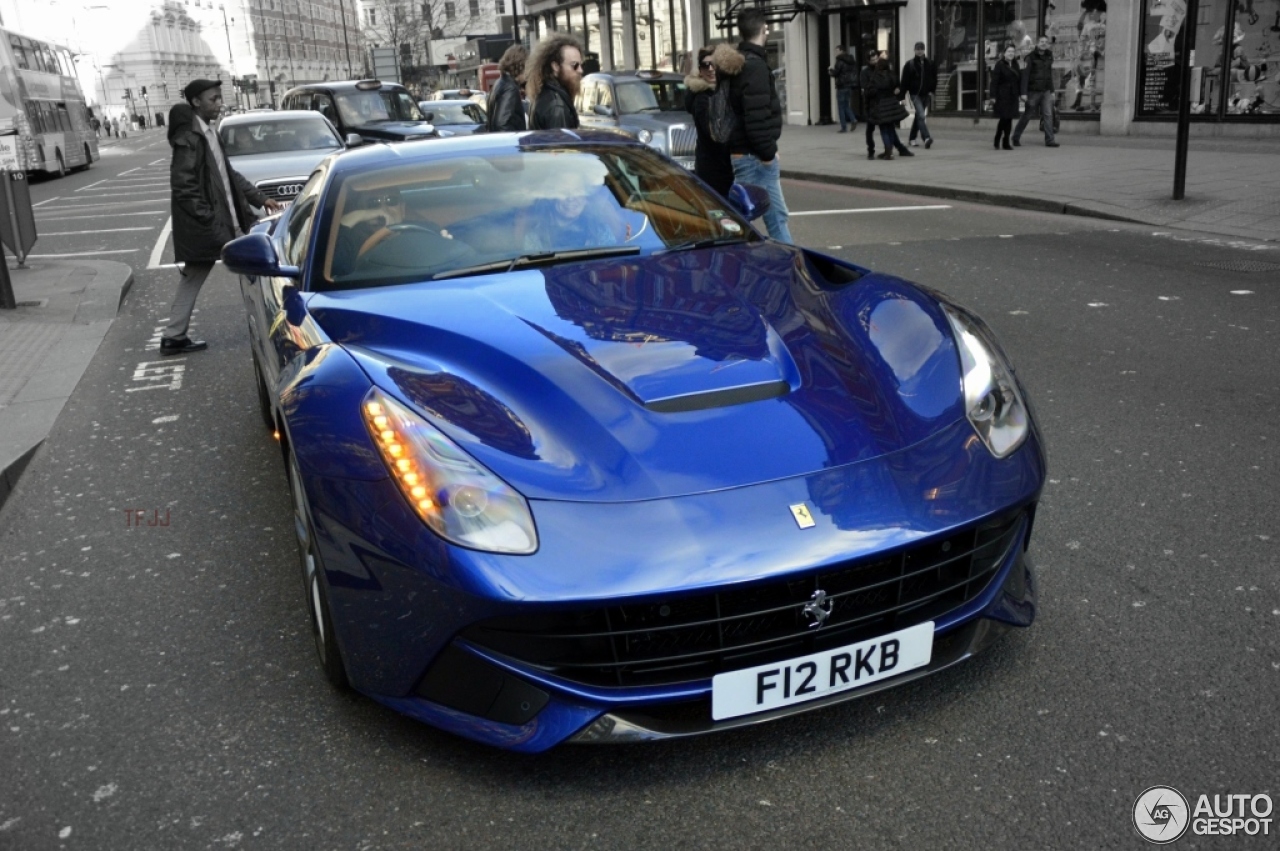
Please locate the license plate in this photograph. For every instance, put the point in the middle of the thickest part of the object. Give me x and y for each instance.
(766, 687)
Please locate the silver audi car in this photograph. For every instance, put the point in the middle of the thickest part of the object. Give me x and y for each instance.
(278, 150)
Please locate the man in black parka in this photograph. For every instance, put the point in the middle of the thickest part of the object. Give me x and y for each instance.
(210, 204)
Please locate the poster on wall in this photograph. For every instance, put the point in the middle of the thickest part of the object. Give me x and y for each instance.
(1162, 40)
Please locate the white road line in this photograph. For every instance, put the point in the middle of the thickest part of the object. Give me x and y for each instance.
(82, 232)
(98, 216)
(82, 253)
(153, 262)
(47, 200)
(114, 184)
(157, 162)
(873, 210)
(112, 204)
(130, 171)
(91, 185)
(130, 194)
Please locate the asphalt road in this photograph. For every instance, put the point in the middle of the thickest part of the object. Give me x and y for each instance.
(158, 687)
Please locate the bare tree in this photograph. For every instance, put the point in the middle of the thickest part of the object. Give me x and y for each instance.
(409, 25)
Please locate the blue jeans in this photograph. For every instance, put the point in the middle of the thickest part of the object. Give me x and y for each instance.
(844, 99)
(889, 135)
(1037, 102)
(748, 169)
(921, 103)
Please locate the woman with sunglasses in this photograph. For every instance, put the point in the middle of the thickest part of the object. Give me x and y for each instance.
(711, 159)
(552, 77)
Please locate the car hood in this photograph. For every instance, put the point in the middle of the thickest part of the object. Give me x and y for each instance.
(256, 167)
(395, 130)
(662, 375)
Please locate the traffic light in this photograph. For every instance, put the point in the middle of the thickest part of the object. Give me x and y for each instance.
(144, 91)
(128, 93)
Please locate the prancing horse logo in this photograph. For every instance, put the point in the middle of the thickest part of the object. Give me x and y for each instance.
(818, 608)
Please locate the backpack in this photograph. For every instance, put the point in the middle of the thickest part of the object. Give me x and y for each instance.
(722, 121)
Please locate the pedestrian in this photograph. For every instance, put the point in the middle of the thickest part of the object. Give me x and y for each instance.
(552, 77)
(506, 104)
(845, 73)
(888, 109)
(711, 159)
(1006, 88)
(96, 125)
(920, 81)
(869, 101)
(210, 204)
(1038, 92)
(754, 142)
(115, 127)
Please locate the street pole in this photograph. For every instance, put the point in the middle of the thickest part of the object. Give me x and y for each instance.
(342, 7)
(231, 56)
(1184, 101)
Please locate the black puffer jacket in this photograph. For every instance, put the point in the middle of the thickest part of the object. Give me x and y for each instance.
(505, 107)
(1037, 72)
(755, 100)
(553, 109)
(202, 221)
(845, 72)
(888, 108)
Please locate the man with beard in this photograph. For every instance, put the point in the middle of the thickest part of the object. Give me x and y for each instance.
(552, 78)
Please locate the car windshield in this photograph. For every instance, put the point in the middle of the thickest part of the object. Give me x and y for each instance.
(650, 96)
(358, 107)
(455, 112)
(271, 136)
(471, 214)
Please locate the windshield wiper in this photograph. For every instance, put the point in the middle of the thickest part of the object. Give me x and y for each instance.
(702, 243)
(542, 258)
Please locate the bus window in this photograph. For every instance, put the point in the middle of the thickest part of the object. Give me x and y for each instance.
(64, 119)
(18, 43)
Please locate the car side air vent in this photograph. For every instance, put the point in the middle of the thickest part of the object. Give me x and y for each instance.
(831, 273)
(719, 398)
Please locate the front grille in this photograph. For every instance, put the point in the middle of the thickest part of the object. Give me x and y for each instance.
(682, 139)
(690, 638)
(281, 190)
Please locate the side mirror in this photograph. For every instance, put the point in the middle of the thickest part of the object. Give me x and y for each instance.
(255, 255)
(602, 109)
(749, 200)
(354, 140)
(428, 116)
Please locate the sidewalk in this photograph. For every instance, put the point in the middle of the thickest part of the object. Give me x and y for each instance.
(1232, 185)
(46, 344)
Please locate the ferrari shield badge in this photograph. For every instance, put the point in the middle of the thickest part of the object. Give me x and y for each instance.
(804, 519)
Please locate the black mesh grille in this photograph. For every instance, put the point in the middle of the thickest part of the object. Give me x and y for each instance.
(682, 639)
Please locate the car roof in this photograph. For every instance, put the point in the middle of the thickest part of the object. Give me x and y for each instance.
(408, 153)
(345, 86)
(642, 74)
(270, 115)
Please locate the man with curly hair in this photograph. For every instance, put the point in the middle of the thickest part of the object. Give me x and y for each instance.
(552, 77)
(505, 112)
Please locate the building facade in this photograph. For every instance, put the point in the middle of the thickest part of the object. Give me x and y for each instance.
(135, 56)
(1116, 70)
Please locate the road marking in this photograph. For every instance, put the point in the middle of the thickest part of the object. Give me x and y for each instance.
(873, 210)
(155, 371)
(91, 185)
(153, 262)
(142, 192)
(82, 253)
(98, 216)
(130, 171)
(157, 162)
(83, 232)
(47, 200)
(116, 185)
(113, 204)
(166, 419)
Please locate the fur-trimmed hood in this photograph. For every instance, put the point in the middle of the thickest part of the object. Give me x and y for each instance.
(729, 62)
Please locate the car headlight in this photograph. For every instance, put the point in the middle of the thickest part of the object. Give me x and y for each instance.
(644, 136)
(459, 499)
(992, 400)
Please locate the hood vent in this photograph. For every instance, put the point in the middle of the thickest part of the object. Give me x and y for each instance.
(718, 398)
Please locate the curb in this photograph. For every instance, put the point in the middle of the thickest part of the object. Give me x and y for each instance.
(98, 307)
(976, 196)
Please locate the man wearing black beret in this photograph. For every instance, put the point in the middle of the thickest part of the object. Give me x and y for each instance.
(211, 204)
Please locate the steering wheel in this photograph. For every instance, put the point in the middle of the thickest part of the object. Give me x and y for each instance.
(403, 227)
